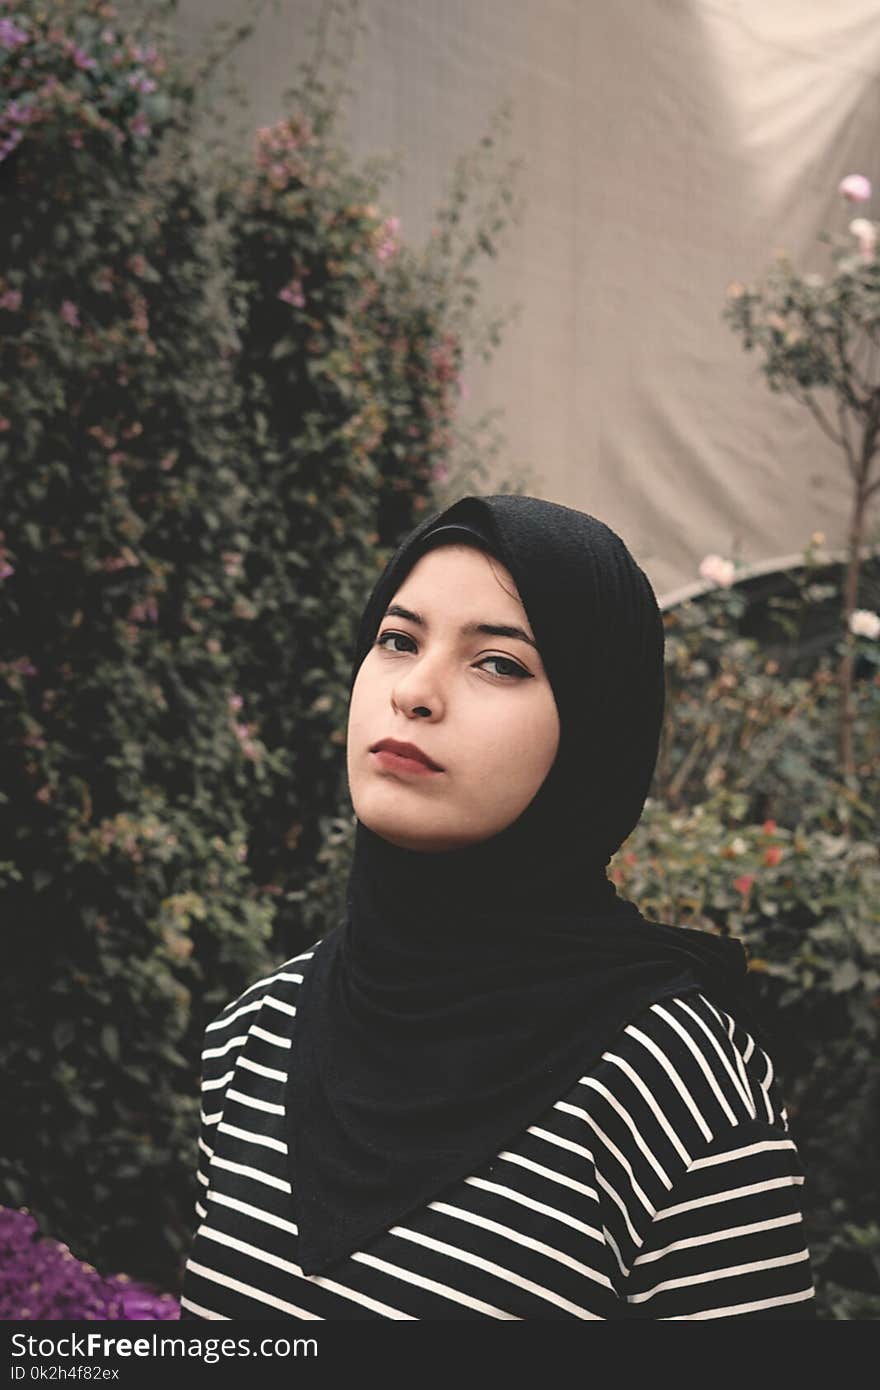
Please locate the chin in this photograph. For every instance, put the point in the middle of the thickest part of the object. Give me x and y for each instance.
(426, 844)
(405, 837)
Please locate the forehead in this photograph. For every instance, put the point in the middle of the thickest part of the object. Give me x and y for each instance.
(455, 566)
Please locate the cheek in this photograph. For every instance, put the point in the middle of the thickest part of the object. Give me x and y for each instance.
(363, 698)
(520, 742)
(359, 719)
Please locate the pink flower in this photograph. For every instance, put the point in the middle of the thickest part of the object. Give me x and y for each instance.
(389, 245)
(5, 424)
(717, 570)
(141, 83)
(69, 313)
(855, 188)
(743, 883)
(292, 294)
(11, 300)
(139, 125)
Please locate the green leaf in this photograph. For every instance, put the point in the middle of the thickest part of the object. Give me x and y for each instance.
(110, 1041)
(63, 1032)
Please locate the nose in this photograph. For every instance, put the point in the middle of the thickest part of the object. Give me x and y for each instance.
(419, 690)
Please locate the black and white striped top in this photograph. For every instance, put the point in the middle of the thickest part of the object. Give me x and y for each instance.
(663, 1185)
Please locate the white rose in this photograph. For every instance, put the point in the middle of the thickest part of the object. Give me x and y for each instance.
(864, 623)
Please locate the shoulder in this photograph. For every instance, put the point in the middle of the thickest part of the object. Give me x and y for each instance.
(702, 1069)
(681, 1081)
(261, 1008)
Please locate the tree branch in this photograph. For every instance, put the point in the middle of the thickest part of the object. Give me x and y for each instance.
(845, 439)
(804, 398)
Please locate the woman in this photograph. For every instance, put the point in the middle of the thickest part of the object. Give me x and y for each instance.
(496, 1090)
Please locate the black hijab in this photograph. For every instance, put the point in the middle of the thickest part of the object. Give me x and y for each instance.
(469, 989)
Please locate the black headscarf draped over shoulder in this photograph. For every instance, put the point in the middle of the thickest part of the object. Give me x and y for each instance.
(467, 990)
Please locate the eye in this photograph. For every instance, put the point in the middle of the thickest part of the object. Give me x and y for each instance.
(380, 640)
(514, 671)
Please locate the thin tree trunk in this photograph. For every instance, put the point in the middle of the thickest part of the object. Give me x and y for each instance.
(850, 603)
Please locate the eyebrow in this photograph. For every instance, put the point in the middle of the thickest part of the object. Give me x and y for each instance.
(492, 629)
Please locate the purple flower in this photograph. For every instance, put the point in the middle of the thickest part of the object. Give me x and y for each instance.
(9, 144)
(41, 1279)
(10, 34)
(69, 313)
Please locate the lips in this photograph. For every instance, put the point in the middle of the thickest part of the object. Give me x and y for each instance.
(405, 750)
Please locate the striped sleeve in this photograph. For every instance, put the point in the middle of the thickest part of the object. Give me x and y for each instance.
(224, 1038)
(729, 1240)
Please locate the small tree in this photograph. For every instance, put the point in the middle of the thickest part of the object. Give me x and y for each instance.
(819, 337)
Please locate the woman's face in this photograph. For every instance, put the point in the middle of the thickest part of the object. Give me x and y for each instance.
(479, 704)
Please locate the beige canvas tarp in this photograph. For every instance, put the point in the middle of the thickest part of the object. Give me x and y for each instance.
(670, 148)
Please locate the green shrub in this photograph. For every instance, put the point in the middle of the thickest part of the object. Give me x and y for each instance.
(759, 715)
(128, 910)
